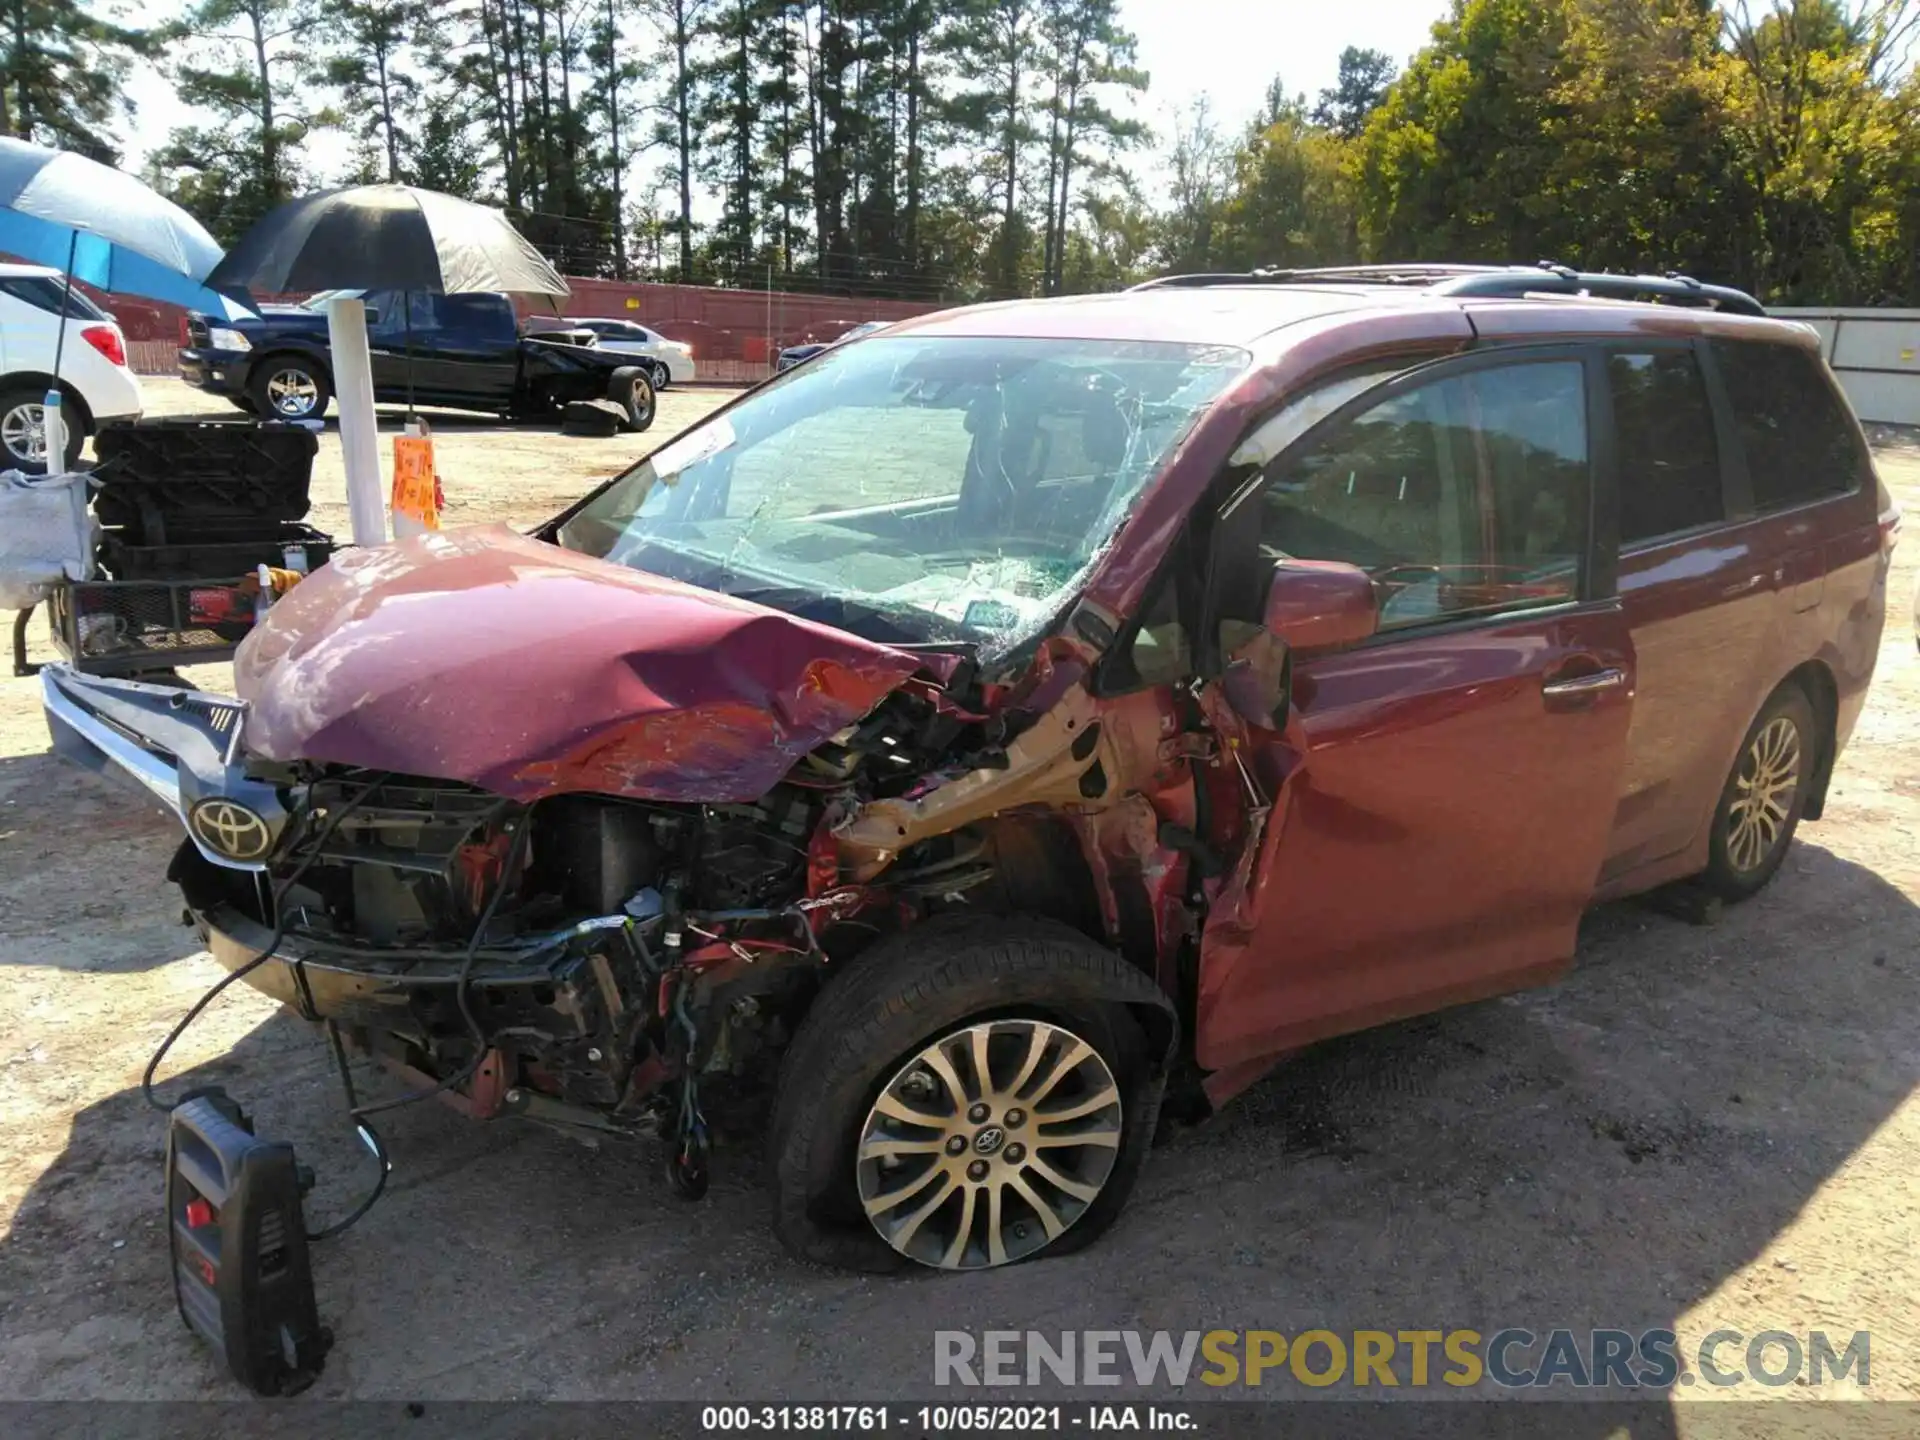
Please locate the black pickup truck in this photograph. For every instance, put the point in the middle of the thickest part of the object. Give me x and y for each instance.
(464, 351)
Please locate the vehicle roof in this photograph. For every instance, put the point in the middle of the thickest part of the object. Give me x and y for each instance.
(11, 270)
(1243, 315)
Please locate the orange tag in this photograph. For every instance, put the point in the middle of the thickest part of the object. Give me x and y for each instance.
(416, 490)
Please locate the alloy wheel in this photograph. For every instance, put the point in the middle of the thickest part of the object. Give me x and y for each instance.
(987, 1145)
(292, 393)
(23, 430)
(1764, 789)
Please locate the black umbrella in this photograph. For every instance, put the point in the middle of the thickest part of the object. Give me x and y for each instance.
(385, 237)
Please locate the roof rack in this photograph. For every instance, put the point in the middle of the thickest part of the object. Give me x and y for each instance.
(1493, 281)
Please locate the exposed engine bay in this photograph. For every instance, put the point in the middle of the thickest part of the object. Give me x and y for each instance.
(594, 961)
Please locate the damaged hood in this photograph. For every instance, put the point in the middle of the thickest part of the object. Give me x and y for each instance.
(487, 657)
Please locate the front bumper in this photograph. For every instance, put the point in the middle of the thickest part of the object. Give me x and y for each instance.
(218, 372)
(179, 746)
(404, 993)
(561, 1010)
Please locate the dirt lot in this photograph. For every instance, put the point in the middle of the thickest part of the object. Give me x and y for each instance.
(1703, 1127)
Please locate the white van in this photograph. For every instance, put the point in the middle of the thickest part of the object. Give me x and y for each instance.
(96, 384)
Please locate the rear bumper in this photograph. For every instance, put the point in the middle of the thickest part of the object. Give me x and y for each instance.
(218, 372)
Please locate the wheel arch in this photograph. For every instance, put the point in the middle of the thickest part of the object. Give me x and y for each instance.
(40, 380)
(1816, 681)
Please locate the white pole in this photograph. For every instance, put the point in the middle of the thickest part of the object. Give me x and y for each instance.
(359, 430)
(53, 420)
(53, 430)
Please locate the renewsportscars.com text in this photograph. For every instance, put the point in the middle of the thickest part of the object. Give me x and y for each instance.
(1511, 1359)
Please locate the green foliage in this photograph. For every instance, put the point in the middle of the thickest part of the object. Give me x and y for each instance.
(967, 149)
(1769, 146)
(66, 66)
(1365, 76)
(240, 63)
(368, 64)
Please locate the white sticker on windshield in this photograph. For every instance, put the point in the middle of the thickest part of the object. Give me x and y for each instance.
(690, 449)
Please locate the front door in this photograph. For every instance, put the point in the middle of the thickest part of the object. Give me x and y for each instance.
(388, 320)
(1443, 793)
(475, 355)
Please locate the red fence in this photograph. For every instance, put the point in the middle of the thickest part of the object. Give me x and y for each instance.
(737, 325)
(734, 333)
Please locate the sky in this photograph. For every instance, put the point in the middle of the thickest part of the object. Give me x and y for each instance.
(1227, 49)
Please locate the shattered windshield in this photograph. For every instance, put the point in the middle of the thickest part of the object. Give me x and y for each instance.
(914, 489)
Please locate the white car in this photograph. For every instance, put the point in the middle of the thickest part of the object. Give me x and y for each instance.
(668, 361)
(96, 385)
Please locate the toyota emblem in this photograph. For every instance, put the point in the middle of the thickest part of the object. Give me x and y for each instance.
(229, 828)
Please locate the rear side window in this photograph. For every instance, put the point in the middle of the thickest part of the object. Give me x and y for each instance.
(43, 292)
(476, 317)
(1800, 442)
(1669, 464)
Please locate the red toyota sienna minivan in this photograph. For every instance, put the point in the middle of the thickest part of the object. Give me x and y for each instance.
(999, 724)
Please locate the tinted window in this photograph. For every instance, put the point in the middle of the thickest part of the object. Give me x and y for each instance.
(43, 292)
(1799, 440)
(1398, 490)
(1669, 464)
(396, 312)
(475, 317)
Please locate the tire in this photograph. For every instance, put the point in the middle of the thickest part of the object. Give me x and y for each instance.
(278, 381)
(1748, 844)
(659, 376)
(864, 1038)
(22, 412)
(244, 402)
(633, 392)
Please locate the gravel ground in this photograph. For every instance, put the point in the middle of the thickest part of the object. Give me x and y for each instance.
(1702, 1128)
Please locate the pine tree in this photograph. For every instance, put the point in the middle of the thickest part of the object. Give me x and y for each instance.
(66, 69)
(369, 65)
(241, 66)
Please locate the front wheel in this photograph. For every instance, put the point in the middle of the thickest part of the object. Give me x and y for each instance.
(1760, 807)
(285, 387)
(659, 375)
(23, 430)
(969, 1095)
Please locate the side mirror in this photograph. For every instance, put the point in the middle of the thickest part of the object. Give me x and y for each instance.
(373, 315)
(1311, 605)
(1321, 605)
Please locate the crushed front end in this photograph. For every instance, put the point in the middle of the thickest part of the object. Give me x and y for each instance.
(576, 953)
(590, 960)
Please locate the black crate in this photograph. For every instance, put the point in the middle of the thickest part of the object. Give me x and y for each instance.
(155, 477)
(123, 627)
(205, 553)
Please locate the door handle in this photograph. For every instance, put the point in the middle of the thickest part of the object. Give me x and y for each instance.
(1577, 686)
